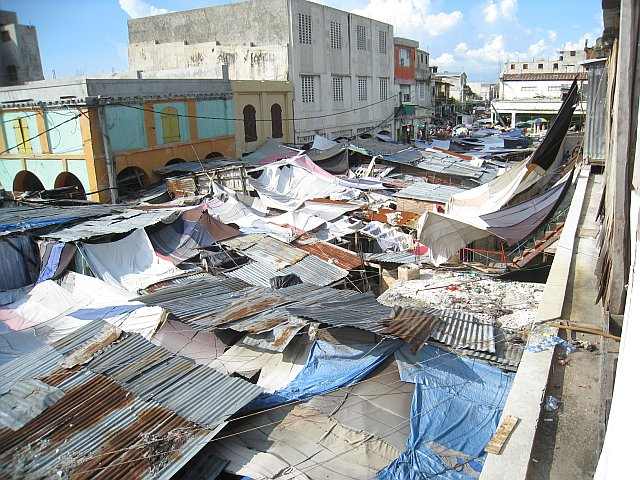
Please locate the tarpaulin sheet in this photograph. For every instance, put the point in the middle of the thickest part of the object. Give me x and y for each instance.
(334, 160)
(129, 263)
(19, 263)
(181, 239)
(55, 258)
(330, 366)
(287, 186)
(271, 151)
(456, 407)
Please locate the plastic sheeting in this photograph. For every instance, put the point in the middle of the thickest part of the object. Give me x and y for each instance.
(390, 239)
(286, 186)
(455, 411)
(19, 263)
(194, 229)
(56, 257)
(129, 263)
(330, 366)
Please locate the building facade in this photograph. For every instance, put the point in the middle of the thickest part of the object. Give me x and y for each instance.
(19, 51)
(262, 109)
(339, 64)
(533, 89)
(106, 136)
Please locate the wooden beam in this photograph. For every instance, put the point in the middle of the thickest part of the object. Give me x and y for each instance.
(502, 435)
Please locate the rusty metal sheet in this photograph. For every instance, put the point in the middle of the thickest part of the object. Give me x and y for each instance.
(412, 325)
(98, 427)
(396, 218)
(328, 252)
(182, 186)
(275, 253)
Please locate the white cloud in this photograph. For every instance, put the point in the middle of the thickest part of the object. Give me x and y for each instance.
(538, 49)
(505, 9)
(589, 37)
(553, 35)
(445, 60)
(411, 17)
(140, 8)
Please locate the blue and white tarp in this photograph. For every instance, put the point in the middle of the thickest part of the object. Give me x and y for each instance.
(329, 366)
(456, 409)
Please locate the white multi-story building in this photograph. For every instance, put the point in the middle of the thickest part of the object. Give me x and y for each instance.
(532, 89)
(340, 64)
(19, 52)
(458, 82)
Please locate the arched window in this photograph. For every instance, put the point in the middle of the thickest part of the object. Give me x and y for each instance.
(68, 179)
(174, 161)
(170, 125)
(27, 181)
(131, 180)
(276, 121)
(214, 155)
(249, 116)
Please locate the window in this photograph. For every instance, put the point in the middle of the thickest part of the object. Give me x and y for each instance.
(6, 36)
(528, 89)
(21, 128)
(338, 91)
(276, 121)
(170, 125)
(304, 28)
(540, 66)
(525, 66)
(572, 53)
(336, 35)
(362, 89)
(421, 90)
(405, 93)
(361, 35)
(513, 66)
(307, 89)
(383, 42)
(12, 73)
(555, 66)
(249, 120)
(404, 57)
(384, 88)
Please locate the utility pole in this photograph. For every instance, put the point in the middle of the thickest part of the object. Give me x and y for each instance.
(106, 143)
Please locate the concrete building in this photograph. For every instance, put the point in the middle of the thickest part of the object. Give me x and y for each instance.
(412, 79)
(340, 64)
(265, 108)
(19, 52)
(485, 91)
(533, 89)
(108, 135)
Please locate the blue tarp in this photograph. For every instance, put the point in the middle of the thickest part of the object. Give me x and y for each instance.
(457, 404)
(329, 366)
(49, 269)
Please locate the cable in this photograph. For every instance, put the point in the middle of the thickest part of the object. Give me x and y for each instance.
(202, 117)
(40, 134)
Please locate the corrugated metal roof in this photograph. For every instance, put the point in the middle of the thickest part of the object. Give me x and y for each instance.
(339, 256)
(464, 330)
(396, 257)
(310, 270)
(193, 167)
(20, 219)
(243, 242)
(99, 427)
(412, 325)
(132, 425)
(274, 253)
(429, 192)
(182, 280)
(120, 223)
(450, 166)
(207, 304)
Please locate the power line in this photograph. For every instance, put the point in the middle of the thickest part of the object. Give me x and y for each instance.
(231, 119)
(40, 134)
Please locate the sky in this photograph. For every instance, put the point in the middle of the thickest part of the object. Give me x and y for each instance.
(80, 37)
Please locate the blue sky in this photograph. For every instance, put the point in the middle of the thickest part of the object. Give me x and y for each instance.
(80, 37)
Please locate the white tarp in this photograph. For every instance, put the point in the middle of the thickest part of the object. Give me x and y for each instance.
(30, 318)
(129, 263)
(287, 184)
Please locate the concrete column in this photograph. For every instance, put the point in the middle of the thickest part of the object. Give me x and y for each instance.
(513, 119)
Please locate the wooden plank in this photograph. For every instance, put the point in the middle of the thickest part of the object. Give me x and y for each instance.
(502, 435)
(593, 331)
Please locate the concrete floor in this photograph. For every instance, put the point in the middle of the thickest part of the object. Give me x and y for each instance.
(567, 444)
